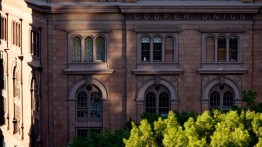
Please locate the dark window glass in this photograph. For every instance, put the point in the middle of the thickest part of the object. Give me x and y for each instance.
(151, 102)
(89, 49)
(76, 56)
(145, 49)
(163, 103)
(214, 100)
(100, 48)
(221, 47)
(157, 50)
(233, 49)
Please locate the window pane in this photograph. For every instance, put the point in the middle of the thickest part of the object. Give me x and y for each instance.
(214, 100)
(88, 49)
(210, 49)
(228, 99)
(157, 50)
(221, 48)
(96, 105)
(145, 49)
(100, 48)
(82, 105)
(76, 49)
(169, 49)
(163, 103)
(233, 49)
(151, 102)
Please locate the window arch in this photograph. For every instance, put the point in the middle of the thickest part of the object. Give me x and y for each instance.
(221, 96)
(89, 102)
(157, 99)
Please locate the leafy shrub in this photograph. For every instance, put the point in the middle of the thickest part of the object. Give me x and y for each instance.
(214, 128)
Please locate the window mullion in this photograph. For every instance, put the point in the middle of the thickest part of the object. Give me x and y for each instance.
(216, 50)
(151, 47)
(94, 49)
(82, 47)
(227, 49)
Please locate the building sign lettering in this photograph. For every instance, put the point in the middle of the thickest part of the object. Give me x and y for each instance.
(188, 16)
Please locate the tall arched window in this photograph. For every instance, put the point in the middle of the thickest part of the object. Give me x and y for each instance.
(210, 49)
(88, 109)
(88, 49)
(233, 49)
(157, 99)
(221, 45)
(76, 53)
(169, 49)
(221, 96)
(34, 95)
(15, 83)
(157, 49)
(100, 48)
(145, 49)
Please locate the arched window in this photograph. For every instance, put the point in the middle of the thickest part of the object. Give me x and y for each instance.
(15, 83)
(145, 49)
(88, 49)
(34, 95)
(76, 53)
(157, 49)
(210, 49)
(89, 102)
(221, 45)
(88, 110)
(221, 96)
(169, 49)
(157, 99)
(233, 49)
(100, 48)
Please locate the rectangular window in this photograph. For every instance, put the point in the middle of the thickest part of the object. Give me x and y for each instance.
(3, 26)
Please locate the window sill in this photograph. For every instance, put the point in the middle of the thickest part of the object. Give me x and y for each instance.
(76, 71)
(157, 69)
(222, 68)
(88, 68)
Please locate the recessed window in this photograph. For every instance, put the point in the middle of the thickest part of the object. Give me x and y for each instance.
(222, 48)
(221, 97)
(157, 99)
(84, 132)
(89, 49)
(3, 25)
(16, 35)
(36, 42)
(157, 49)
(89, 102)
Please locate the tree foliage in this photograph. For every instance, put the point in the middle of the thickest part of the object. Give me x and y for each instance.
(214, 128)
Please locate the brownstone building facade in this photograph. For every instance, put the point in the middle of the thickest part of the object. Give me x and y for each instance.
(70, 67)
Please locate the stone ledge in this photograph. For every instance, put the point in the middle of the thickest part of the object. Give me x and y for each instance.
(222, 71)
(88, 71)
(157, 71)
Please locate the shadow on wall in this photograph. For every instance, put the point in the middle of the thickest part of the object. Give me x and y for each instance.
(2, 117)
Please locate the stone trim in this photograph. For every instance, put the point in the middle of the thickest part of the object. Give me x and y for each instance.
(88, 71)
(157, 71)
